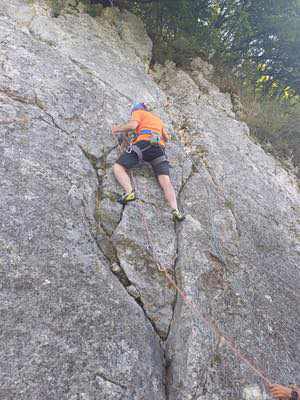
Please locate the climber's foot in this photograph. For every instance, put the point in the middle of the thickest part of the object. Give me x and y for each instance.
(126, 198)
(177, 215)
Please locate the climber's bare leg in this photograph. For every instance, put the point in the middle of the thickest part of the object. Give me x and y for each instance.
(169, 192)
(122, 177)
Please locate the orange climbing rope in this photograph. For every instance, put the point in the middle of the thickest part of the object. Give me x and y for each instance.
(231, 344)
(208, 322)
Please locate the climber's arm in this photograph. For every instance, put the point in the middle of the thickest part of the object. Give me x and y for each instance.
(129, 126)
(22, 120)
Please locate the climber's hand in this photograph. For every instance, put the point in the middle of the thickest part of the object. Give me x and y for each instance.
(280, 392)
(166, 137)
(115, 129)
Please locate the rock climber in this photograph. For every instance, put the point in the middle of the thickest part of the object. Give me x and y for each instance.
(283, 392)
(147, 136)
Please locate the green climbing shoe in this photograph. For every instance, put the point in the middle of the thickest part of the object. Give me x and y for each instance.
(177, 215)
(126, 198)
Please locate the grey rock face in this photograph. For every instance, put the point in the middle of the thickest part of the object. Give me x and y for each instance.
(69, 328)
(85, 312)
(132, 32)
(203, 67)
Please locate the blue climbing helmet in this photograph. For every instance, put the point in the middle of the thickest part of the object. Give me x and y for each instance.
(138, 106)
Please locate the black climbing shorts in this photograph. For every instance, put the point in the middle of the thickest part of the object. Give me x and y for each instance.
(130, 160)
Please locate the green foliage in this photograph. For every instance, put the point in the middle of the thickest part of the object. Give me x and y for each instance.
(273, 119)
(216, 360)
(92, 8)
(181, 49)
(56, 7)
(277, 127)
(275, 123)
(236, 32)
(229, 204)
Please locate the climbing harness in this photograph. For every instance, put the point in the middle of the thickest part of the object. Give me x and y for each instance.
(154, 140)
(139, 152)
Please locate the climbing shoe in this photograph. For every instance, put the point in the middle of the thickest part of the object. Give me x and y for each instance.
(126, 198)
(178, 216)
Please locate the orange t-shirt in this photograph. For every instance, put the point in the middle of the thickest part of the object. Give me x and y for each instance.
(147, 120)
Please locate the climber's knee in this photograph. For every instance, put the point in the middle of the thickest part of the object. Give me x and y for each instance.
(162, 169)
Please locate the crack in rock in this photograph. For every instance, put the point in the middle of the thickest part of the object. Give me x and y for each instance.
(112, 259)
(100, 374)
(33, 101)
